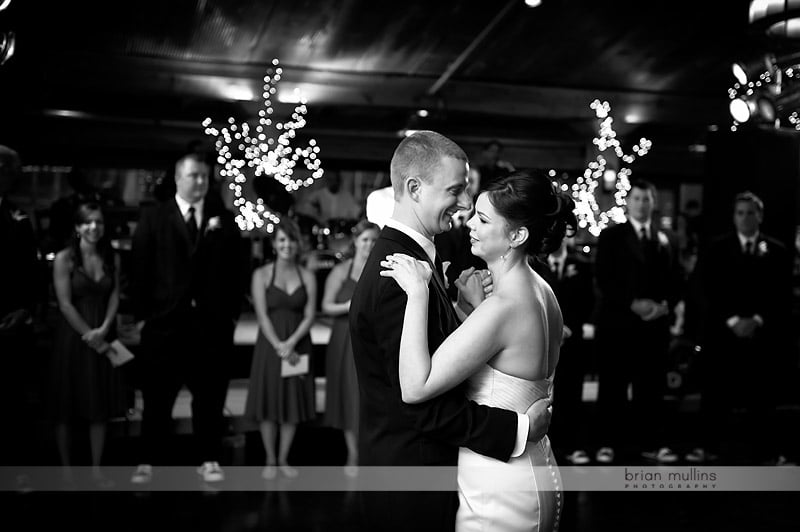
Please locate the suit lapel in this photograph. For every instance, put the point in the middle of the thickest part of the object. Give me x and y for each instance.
(417, 252)
(177, 221)
(632, 240)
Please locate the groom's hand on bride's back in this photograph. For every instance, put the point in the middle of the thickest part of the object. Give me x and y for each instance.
(539, 415)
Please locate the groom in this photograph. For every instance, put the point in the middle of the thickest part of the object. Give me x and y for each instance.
(429, 180)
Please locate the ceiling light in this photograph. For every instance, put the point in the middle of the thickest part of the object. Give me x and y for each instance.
(739, 73)
(741, 110)
(4, 4)
(533, 3)
(7, 42)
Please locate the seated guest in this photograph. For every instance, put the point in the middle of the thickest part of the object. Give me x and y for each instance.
(284, 296)
(330, 202)
(341, 400)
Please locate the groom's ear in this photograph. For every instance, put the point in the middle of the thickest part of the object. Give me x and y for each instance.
(412, 186)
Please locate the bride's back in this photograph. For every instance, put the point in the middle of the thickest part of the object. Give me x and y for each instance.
(531, 336)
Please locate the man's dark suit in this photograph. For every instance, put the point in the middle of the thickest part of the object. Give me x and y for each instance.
(393, 433)
(744, 371)
(18, 363)
(631, 350)
(574, 291)
(190, 297)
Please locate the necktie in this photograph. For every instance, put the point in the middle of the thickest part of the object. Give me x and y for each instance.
(748, 247)
(437, 262)
(643, 234)
(556, 267)
(191, 225)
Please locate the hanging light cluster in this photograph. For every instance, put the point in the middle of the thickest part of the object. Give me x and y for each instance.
(242, 151)
(583, 191)
(766, 91)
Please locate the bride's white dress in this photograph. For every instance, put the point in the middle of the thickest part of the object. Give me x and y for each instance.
(521, 494)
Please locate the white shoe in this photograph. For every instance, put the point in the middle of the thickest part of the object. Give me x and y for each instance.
(699, 455)
(143, 474)
(288, 471)
(269, 472)
(211, 472)
(605, 455)
(578, 457)
(664, 455)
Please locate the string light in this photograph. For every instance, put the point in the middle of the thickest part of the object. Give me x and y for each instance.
(242, 150)
(771, 85)
(587, 210)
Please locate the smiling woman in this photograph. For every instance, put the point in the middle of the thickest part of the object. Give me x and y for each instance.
(86, 388)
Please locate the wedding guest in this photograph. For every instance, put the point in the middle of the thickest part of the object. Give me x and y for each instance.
(85, 387)
(18, 292)
(638, 277)
(570, 275)
(341, 386)
(284, 297)
(189, 271)
(746, 278)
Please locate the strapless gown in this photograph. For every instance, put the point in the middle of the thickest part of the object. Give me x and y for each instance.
(521, 494)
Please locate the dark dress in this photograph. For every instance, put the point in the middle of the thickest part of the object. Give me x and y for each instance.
(85, 386)
(271, 397)
(341, 398)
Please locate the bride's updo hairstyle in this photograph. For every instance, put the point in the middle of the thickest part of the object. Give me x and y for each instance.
(530, 199)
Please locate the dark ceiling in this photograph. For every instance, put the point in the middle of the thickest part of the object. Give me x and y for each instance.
(128, 83)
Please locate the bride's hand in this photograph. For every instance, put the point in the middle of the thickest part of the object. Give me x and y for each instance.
(411, 274)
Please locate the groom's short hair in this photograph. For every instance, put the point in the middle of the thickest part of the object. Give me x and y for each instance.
(419, 155)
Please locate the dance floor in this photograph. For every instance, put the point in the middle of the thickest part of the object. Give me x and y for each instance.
(281, 506)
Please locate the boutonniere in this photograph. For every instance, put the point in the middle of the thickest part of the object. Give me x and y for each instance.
(18, 215)
(662, 239)
(214, 223)
(571, 270)
(762, 248)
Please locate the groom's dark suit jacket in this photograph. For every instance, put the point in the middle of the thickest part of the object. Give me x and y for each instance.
(392, 433)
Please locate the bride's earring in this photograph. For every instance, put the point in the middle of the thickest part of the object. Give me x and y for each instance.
(503, 256)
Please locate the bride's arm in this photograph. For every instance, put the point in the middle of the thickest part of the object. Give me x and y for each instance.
(460, 355)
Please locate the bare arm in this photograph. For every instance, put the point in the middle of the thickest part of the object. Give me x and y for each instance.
(332, 285)
(113, 300)
(62, 267)
(258, 293)
(96, 338)
(460, 355)
(309, 311)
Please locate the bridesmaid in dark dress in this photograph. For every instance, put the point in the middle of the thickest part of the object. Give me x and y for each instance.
(86, 387)
(284, 297)
(341, 401)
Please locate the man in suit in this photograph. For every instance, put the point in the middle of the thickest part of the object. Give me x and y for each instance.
(429, 178)
(189, 275)
(747, 290)
(18, 283)
(570, 276)
(638, 278)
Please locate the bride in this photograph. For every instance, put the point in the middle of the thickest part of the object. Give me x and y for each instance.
(507, 349)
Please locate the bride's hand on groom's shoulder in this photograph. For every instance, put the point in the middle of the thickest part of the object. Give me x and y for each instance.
(411, 274)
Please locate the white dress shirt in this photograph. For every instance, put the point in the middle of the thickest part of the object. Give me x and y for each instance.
(184, 205)
(637, 226)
